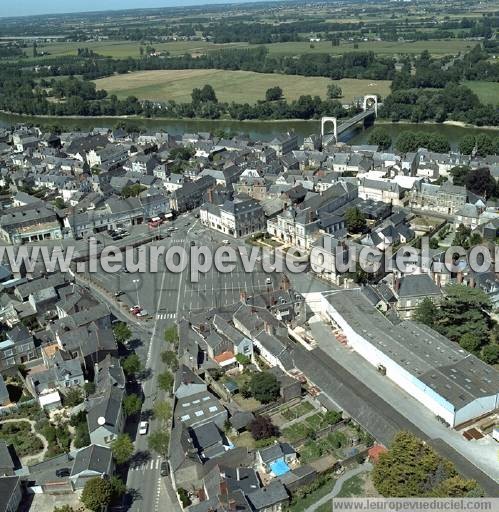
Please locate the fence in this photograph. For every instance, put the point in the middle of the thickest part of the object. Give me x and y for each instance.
(6, 411)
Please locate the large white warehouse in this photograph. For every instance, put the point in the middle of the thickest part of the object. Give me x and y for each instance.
(452, 383)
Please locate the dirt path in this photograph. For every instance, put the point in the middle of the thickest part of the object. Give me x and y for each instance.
(30, 458)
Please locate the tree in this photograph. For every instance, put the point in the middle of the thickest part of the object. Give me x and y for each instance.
(425, 312)
(467, 144)
(59, 203)
(170, 359)
(122, 332)
(184, 497)
(243, 360)
(165, 381)
(73, 397)
(464, 310)
(411, 468)
(118, 486)
(480, 182)
(459, 174)
(470, 342)
(490, 353)
(355, 220)
(263, 428)
(132, 404)
(264, 387)
(206, 94)
(334, 91)
(184, 153)
(158, 442)
(273, 94)
(434, 243)
(381, 138)
(171, 334)
(122, 448)
(131, 365)
(484, 145)
(162, 411)
(97, 494)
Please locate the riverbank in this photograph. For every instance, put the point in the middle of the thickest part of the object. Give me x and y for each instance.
(459, 124)
(255, 129)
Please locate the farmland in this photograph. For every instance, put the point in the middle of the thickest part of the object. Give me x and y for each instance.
(124, 49)
(237, 86)
(488, 92)
(389, 48)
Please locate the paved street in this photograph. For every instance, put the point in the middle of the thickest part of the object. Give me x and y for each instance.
(166, 296)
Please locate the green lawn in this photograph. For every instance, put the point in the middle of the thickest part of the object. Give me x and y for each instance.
(353, 487)
(301, 504)
(488, 92)
(297, 411)
(238, 86)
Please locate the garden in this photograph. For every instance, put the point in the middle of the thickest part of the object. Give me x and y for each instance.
(19, 434)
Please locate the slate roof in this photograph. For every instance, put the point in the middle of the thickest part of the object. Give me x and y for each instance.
(417, 285)
(93, 458)
(265, 497)
(8, 485)
(108, 407)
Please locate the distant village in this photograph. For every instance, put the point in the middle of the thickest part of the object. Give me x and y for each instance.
(59, 334)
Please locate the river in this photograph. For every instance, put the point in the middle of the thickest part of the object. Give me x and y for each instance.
(257, 130)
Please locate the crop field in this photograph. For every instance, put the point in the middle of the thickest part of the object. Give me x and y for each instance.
(488, 92)
(436, 48)
(237, 86)
(124, 49)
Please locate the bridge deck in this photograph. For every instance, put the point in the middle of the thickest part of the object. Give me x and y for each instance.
(354, 120)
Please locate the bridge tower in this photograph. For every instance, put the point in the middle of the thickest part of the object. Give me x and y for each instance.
(333, 120)
(373, 97)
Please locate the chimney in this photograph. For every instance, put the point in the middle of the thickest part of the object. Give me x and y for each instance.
(268, 328)
(242, 296)
(396, 285)
(210, 195)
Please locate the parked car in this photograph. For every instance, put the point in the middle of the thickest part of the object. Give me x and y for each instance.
(225, 242)
(268, 280)
(143, 428)
(135, 310)
(118, 293)
(142, 313)
(62, 472)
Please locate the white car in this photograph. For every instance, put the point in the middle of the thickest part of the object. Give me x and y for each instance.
(143, 428)
(268, 280)
(225, 242)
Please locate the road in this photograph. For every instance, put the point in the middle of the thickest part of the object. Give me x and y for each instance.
(167, 296)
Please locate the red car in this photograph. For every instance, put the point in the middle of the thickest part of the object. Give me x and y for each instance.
(135, 310)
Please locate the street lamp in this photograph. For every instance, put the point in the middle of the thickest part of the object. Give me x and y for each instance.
(136, 281)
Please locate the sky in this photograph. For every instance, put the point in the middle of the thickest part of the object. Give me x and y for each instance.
(32, 7)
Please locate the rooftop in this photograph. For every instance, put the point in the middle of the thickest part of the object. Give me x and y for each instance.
(453, 373)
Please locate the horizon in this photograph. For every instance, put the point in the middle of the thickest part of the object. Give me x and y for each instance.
(60, 7)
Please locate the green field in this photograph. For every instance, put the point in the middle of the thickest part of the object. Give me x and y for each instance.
(436, 48)
(123, 49)
(488, 92)
(238, 86)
